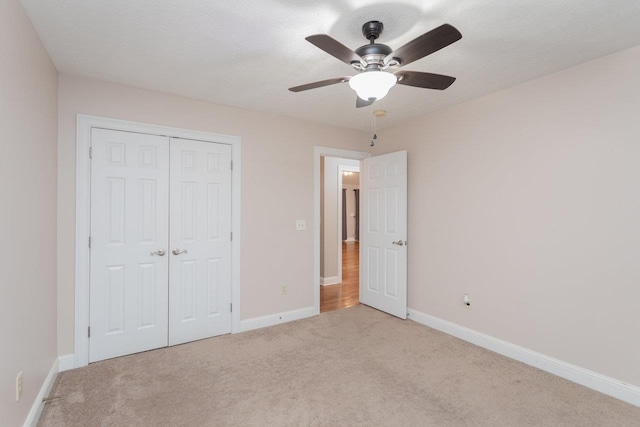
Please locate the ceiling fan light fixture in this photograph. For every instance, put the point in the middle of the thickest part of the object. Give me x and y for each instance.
(372, 84)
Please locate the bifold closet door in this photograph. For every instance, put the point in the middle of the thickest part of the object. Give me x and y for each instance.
(129, 243)
(200, 240)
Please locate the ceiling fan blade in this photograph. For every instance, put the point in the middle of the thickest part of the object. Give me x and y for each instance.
(335, 49)
(425, 80)
(320, 84)
(424, 45)
(362, 103)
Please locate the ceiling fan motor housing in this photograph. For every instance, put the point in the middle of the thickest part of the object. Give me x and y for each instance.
(373, 54)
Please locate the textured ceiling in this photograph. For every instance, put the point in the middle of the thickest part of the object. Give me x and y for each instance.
(246, 53)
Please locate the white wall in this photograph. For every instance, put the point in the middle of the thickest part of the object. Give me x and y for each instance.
(277, 188)
(28, 119)
(331, 215)
(529, 200)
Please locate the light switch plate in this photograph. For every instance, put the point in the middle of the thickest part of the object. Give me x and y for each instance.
(300, 224)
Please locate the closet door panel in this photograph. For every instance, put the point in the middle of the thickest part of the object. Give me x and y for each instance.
(129, 231)
(200, 240)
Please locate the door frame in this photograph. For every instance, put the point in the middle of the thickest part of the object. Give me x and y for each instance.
(318, 152)
(84, 125)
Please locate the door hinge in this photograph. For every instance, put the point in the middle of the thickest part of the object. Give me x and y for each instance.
(90, 152)
(232, 236)
(231, 307)
(89, 242)
(231, 164)
(88, 331)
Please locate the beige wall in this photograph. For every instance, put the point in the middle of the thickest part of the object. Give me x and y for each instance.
(353, 179)
(529, 200)
(277, 188)
(28, 119)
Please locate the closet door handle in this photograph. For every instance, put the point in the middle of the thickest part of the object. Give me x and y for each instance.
(160, 252)
(177, 251)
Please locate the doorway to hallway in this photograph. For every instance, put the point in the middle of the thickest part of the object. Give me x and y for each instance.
(328, 217)
(339, 260)
(383, 228)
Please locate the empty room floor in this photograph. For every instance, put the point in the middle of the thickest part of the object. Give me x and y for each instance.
(356, 366)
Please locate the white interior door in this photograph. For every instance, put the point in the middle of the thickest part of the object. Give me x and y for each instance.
(129, 243)
(200, 270)
(383, 236)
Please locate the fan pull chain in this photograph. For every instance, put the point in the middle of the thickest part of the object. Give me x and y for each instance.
(373, 128)
(376, 114)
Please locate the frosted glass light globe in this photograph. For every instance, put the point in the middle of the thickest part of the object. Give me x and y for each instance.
(372, 84)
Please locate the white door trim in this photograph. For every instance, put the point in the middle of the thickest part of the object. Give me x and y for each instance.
(342, 168)
(83, 211)
(318, 152)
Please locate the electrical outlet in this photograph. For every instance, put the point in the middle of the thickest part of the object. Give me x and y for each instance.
(18, 386)
(283, 289)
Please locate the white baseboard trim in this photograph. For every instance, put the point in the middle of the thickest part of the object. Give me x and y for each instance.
(276, 319)
(38, 404)
(593, 380)
(333, 280)
(66, 362)
(350, 239)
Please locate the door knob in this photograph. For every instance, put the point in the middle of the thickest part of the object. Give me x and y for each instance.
(177, 251)
(160, 252)
(399, 243)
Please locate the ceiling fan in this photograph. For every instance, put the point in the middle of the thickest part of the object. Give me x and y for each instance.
(374, 60)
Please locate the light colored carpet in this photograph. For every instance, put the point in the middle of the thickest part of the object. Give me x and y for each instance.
(356, 366)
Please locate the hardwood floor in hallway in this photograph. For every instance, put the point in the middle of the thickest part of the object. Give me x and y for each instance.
(345, 294)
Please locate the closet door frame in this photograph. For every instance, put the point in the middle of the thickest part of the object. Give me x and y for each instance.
(83, 214)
